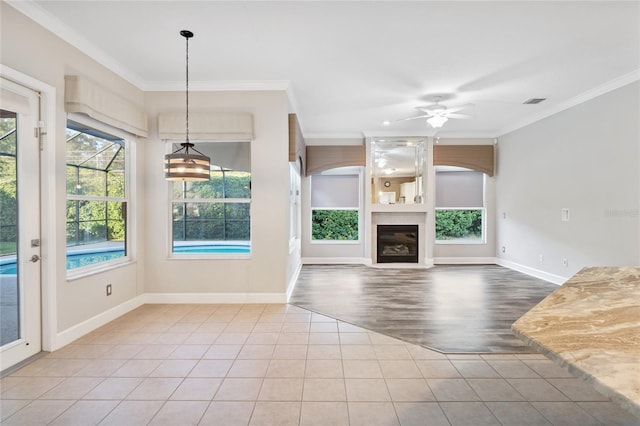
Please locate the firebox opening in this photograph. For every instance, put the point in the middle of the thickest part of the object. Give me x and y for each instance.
(397, 243)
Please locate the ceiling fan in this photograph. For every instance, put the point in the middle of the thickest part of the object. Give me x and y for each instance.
(436, 114)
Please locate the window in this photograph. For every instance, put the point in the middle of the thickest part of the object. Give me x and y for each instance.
(8, 184)
(459, 205)
(335, 203)
(97, 196)
(214, 217)
(294, 202)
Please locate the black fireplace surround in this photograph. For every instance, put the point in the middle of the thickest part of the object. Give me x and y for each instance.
(397, 244)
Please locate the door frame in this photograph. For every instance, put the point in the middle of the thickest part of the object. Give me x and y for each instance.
(49, 214)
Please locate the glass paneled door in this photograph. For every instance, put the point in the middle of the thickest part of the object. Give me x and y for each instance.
(20, 310)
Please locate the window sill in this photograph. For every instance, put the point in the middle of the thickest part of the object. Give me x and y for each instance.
(333, 242)
(204, 256)
(87, 271)
(460, 242)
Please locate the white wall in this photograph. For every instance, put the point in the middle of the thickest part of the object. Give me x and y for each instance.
(29, 49)
(270, 268)
(585, 159)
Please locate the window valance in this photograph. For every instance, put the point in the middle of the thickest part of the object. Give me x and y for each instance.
(297, 147)
(206, 126)
(474, 157)
(321, 158)
(84, 96)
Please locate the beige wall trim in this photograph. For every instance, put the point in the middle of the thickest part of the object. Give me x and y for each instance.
(297, 146)
(84, 96)
(537, 273)
(474, 157)
(67, 336)
(464, 260)
(321, 158)
(206, 126)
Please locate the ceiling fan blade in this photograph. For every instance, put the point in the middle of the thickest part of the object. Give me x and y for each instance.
(428, 110)
(455, 115)
(411, 118)
(459, 108)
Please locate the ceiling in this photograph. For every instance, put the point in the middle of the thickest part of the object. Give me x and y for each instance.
(348, 66)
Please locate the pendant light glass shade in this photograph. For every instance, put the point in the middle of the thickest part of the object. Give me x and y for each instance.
(181, 165)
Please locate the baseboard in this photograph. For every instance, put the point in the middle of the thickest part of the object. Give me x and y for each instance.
(67, 336)
(334, 261)
(400, 266)
(465, 260)
(552, 278)
(293, 281)
(203, 298)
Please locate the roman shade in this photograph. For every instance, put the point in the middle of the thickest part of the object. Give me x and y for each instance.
(321, 158)
(463, 189)
(81, 95)
(335, 191)
(474, 157)
(206, 126)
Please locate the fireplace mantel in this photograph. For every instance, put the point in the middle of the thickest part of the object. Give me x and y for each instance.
(418, 218)
(398, 208)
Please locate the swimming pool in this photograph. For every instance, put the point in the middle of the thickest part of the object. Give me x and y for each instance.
(213, 248)
(89, 257)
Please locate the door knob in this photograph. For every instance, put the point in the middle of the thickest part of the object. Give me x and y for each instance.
(35, 258)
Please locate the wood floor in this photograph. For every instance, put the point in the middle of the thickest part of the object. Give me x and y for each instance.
(453, 309)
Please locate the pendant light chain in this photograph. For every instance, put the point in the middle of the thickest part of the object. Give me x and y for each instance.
(187, 89)
(183, 165)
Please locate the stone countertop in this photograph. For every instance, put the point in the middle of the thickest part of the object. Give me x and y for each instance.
(591, 326)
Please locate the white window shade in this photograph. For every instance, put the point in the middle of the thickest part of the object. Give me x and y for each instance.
(206, 126)
(335, 191)
(84, 96)
(459, 189)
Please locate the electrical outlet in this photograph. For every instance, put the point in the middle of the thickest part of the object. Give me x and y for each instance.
(564, 215)
(541, 258)
(565, 262)
(108, 289)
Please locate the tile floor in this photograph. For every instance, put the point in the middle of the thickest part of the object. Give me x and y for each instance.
(281, 365)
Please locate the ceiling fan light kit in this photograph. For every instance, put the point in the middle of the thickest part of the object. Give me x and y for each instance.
(437, 114)
(437, 121)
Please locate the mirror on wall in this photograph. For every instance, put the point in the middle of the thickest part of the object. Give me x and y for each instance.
(397, 167)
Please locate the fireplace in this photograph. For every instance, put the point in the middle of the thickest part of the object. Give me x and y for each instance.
(397, 243)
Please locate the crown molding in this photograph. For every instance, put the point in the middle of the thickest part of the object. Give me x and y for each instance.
(218, 86)
(467, 135)
(400, 134)
(576, 100)
(347, 135)
(33, 11)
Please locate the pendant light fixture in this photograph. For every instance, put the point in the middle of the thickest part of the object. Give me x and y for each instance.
(182, 165)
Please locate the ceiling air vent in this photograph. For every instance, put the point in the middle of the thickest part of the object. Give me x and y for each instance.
(534, 101)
